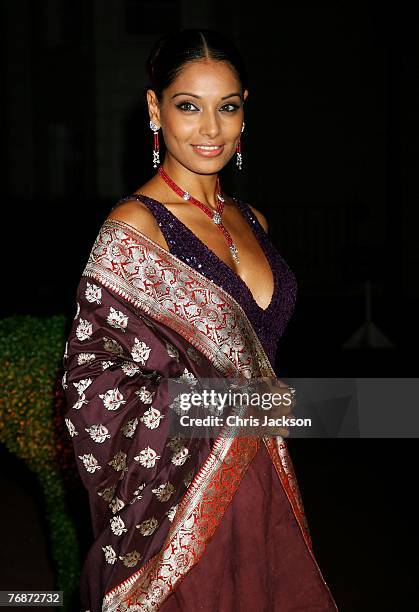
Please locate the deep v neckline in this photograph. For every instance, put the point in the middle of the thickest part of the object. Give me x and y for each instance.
(217, 259)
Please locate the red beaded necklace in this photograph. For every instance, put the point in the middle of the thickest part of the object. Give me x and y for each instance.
(214, 215)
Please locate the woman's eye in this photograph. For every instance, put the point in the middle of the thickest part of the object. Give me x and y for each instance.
(186, 106)
(230, 107)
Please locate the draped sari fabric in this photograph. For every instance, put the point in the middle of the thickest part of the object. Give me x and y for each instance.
(143, 317)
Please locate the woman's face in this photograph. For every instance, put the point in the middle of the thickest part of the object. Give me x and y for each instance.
(201, 115)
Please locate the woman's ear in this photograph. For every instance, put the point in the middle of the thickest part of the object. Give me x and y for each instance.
(245, 94)
(153, 107)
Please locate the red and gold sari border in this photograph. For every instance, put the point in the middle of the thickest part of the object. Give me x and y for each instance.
(196, 520)
(152, 279)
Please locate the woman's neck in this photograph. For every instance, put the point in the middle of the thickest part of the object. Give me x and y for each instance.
(201, 186)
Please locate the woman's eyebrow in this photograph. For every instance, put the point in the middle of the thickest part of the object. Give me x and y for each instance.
(186, 93)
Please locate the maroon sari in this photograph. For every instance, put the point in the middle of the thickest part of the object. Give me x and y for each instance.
(179, 523)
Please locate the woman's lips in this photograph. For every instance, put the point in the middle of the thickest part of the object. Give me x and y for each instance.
(208, 150)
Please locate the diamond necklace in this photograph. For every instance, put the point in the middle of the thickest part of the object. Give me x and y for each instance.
(214, 215)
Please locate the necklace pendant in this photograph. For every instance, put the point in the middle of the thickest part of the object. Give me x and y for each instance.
(216, 217)
(235, 253)
(186, 195)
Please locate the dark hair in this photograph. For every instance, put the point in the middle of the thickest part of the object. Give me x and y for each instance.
(172, 51)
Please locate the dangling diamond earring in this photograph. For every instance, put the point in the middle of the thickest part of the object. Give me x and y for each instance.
(239, 159)
(156, 148)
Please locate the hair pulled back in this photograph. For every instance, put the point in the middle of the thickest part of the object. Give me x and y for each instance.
(172, 51)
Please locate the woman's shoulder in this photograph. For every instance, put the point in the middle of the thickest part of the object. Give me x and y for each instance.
(259, 216)
(137, 214)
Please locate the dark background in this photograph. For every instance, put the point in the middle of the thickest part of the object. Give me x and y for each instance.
(330, 151)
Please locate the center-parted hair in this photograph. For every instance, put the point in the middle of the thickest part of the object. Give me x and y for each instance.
(172, 51)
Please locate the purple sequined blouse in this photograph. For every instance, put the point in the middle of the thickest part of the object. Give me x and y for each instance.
(269, 323)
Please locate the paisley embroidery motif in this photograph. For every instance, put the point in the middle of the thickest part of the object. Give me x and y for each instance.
(147, 457)
(116, 505)
(112, 399)
(130, 369)
(93, 293)
(84, 330)
(119, 461)
(164, 492)
(148, 527)
(98, 433)
(110, 554)
(112, 346)
(151, 418)
(140, 351)
(90, 463)
(117, 319)
(130, 559)
(129, 428)
(118, 525)
(85, 358)
(145, 396)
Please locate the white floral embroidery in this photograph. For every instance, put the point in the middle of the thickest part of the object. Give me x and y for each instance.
(98, 433)
(82, 385)
(93, 293)
(116, 505)
(130, 369)
(107, 364)
(110, 554)
(137, 493)
(119, 461)
(82, 400)
(71, 429)
(147, 457)
(64, 380)
(112, 399)
(85, 358)
(130, 560)
(129, 428)
(145, 396)
(65, 356)
(84, 330)
(172, 351)
(187, 377)
(112, 346)
(171, 513)
(193, 354)
(140, 351)
(90, 463)
(180, 456)
(164, 492)
(117, 319)
(148, 527)
(151, 418)
(77, 311)
(108, 493)
(117, 525)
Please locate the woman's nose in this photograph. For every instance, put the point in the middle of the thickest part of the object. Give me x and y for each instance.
(209, 125)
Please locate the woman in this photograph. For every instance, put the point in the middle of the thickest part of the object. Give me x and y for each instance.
(183, 283)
